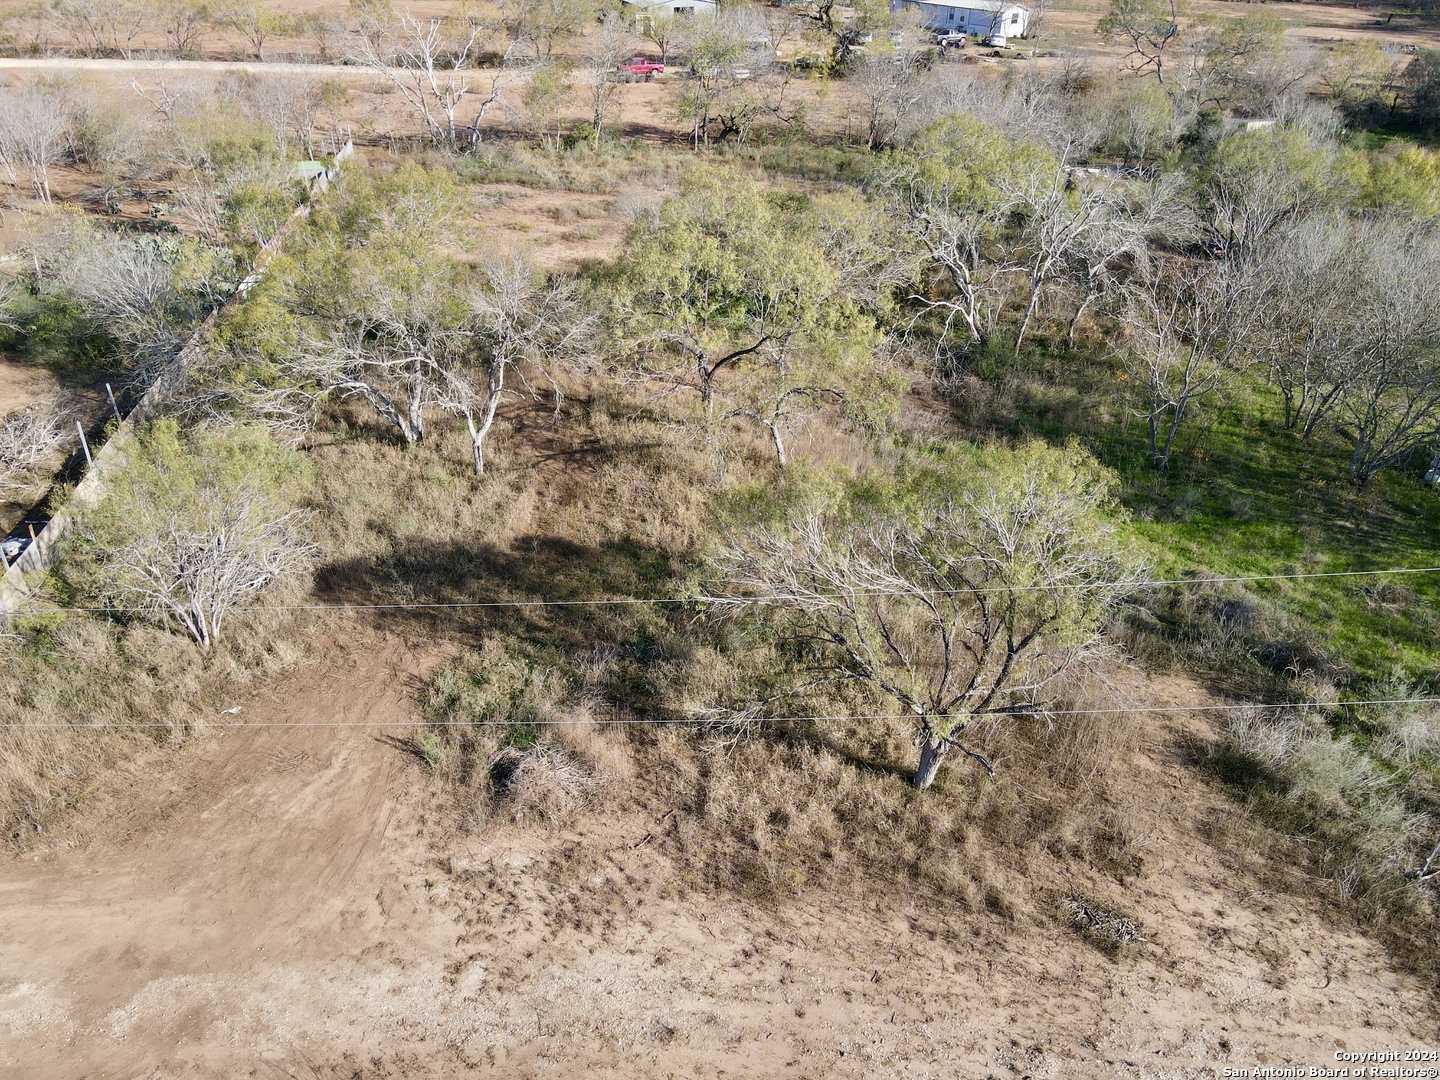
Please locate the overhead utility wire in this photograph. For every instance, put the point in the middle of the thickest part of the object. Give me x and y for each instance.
(461, 605)
(660, 721)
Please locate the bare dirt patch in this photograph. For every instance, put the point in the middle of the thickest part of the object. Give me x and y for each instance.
(1072, 24)
(295, 901)
(23, 384)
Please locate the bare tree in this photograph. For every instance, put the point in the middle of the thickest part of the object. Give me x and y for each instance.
(1187, 324)
(1158, 211)
(127, 284)
(1057, 221)
(971, 609)
(539, 23)
(1309, 333)
(114, 140)
(1032, 107)
(601, 54)
(522, 326)
(1393, 400)
(199, 564)
(35, 129)
(891, 88)
(1039, 15)
(1148, 29)
(427, 61)
(102, 27)
(183, 22)
(29, 437)
(388, 352)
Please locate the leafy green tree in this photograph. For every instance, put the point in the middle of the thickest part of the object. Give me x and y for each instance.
(362, 304)
(1226, 58)
(1139, 121)
(1356, 75)
(544, 99)
(254, 22)
(1407, 181)
(727, 278)
(963, 593)
(231, 178)
(716, 47)
(663, 31)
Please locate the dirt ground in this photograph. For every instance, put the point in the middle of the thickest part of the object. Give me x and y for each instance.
(23, 384)
(281, 901)
(1072, 24)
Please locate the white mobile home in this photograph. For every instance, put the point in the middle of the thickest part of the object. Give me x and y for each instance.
(642, 11)
(978, 18)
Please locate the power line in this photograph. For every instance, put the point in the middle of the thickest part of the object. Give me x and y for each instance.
(664, 721)
(466, 605)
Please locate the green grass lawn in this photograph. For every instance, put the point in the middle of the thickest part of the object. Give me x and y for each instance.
(1245, 497)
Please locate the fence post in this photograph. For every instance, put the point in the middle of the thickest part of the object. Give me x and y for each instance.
(84, 443)
(111, 395)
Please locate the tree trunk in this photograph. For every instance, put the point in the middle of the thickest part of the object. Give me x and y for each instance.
(1034, 302)
(779, 443)
(707, 388)
(932, 753)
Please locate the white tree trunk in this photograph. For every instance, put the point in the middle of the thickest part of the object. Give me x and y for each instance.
(932, 753)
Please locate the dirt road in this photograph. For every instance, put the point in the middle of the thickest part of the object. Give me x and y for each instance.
(84, 63)
(290, 902)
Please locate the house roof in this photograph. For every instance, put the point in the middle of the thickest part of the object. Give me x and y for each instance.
(976, 5)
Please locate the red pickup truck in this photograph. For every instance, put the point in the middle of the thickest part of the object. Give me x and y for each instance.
(638, 65)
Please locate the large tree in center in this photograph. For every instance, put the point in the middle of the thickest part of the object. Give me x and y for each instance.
(727, 286)
(957, 594)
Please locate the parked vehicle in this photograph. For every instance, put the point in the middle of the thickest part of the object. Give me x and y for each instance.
(953, 40)
(639, 66)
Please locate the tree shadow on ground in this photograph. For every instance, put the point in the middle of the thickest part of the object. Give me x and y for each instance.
(541, 588)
